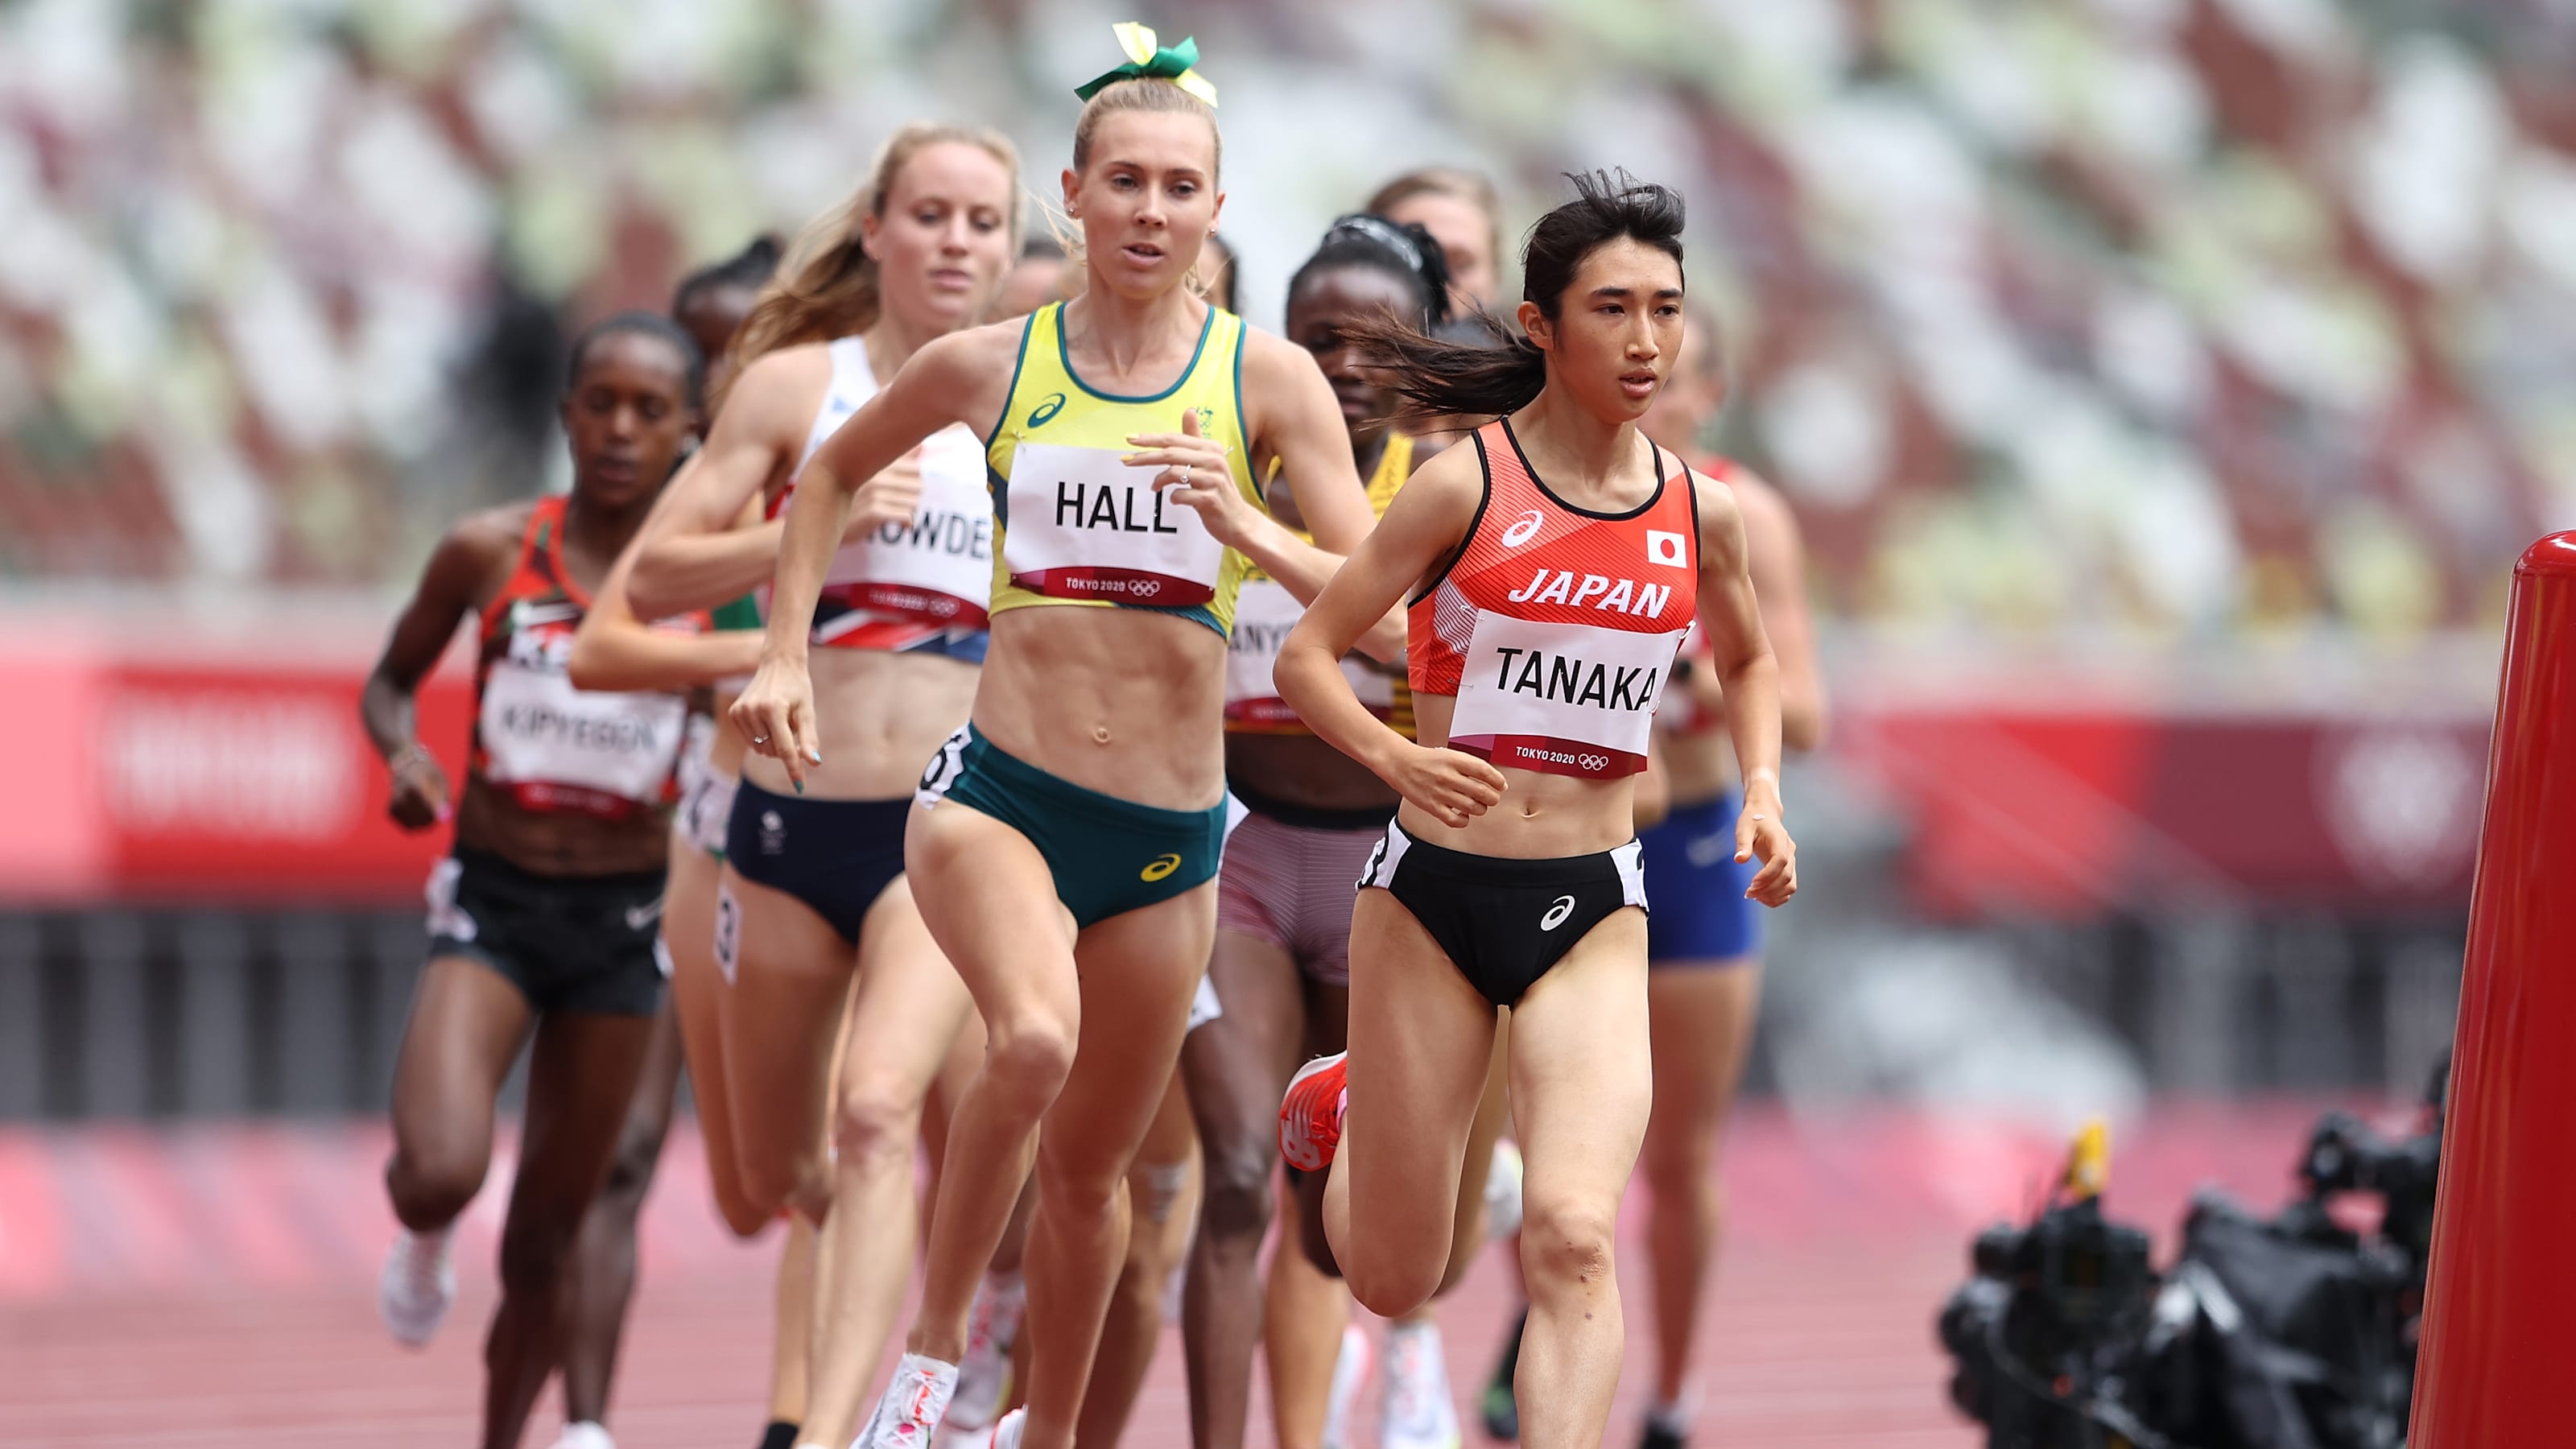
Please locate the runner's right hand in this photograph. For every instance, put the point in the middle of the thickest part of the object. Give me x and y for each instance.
(1453, 787)
(890, 497)
(776, 716)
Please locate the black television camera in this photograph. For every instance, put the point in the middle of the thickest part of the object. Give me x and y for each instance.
(2045, 1334)
(2289, 1333)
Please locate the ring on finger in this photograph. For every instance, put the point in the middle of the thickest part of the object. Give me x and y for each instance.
(760, 739)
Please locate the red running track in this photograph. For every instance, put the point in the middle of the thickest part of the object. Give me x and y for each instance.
(210, 1287)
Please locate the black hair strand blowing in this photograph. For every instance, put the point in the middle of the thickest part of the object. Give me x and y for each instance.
(1438, 379)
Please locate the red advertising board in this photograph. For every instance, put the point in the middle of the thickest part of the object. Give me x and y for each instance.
(139, 769)
(232, 777)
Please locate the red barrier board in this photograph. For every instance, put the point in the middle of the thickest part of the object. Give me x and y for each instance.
(262, 785)
(162, 771)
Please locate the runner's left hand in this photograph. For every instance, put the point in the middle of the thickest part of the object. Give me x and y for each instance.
(1194, 468)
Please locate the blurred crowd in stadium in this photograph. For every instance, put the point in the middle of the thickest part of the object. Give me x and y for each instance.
(2178, 316)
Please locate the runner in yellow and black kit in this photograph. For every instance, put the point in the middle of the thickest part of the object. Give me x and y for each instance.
(1064, 844)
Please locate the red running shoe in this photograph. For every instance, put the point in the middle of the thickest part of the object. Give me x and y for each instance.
(1310, 1116)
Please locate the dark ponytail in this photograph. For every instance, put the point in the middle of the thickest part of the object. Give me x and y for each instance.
(1441, 379)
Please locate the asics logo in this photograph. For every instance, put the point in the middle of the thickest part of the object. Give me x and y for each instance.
(1557, 913)
(1162, 866)
(1524, 528)
(1044, 413)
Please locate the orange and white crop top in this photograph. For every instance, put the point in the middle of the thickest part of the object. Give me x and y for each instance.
(1555, 626)
(548, 745)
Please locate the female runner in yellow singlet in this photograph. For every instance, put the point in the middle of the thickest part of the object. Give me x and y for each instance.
(1064, 844)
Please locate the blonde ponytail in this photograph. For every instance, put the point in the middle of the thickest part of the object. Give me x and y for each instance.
(828, 286)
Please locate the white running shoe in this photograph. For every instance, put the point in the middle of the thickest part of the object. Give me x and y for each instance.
(1350, 1370)
(1006, 1435)
(1417, 1412)
(585, 1435)
(913, 1405)
(417, 1288)
(984, 1370)
(1503, 1192)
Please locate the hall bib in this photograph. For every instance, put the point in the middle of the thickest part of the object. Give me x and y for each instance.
(1084, 525)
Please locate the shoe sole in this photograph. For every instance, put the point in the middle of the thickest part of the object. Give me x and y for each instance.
(1297, 1138)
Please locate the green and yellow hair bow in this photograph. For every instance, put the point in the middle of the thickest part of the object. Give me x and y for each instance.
(1148, 61)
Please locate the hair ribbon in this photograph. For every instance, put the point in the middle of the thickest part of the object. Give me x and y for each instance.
(1147, 60)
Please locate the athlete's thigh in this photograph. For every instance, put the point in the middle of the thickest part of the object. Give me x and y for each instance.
(1328, 1017)
(1701, 1023)
(1492, 1117)
(908, 1008)
(1170, 1139)
(1419, 1040)
(657, 1082)
(466, 1026)
(1582, 1077)
(1238, 1064)
(1138, 971)
(987, 898)
(581, 1078)
(791, 978)
(698, 992)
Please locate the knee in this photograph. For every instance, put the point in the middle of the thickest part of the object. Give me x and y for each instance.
(788, 1180)
(1071, 1190)
(1392, 1289)
(533, 1253)
(874, 1129)
(1238, 1204)
(742, 1217)
(1569, 1245)
(1026, 1061)
(430, 1183)
(630, 1173)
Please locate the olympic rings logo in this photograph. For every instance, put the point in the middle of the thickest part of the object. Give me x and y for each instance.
(1594, 764)
(1145, 588)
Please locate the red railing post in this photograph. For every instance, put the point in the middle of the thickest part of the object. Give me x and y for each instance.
(2498, 1322)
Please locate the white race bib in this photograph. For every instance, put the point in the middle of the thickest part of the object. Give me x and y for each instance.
(1264, 612)
(1086, 526)
(1560, 699)
(937, 569)
(564, 748)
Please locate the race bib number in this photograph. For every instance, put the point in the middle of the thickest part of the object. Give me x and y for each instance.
(1084, 525)
(1560, 699)
(1264, 612)
(561, 748)
(728, 934)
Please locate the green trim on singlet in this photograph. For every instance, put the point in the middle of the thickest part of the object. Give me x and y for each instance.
(742, 613)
